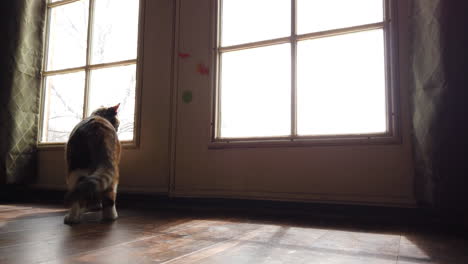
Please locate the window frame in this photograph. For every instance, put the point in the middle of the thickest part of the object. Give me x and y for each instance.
(389, 26)
(138, 62)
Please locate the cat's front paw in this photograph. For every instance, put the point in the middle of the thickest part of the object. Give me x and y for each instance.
(70, 220)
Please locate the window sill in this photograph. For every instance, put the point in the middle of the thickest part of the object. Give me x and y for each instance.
(286, 142)
(61, 146)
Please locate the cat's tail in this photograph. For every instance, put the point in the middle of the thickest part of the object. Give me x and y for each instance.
(90, 187)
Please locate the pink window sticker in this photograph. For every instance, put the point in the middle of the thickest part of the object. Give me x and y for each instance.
(183, 55)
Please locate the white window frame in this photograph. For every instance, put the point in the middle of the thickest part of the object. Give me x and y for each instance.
(87, 69)
(391, 136)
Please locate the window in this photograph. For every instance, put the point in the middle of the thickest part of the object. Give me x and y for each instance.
(90, 61)
(303, 69)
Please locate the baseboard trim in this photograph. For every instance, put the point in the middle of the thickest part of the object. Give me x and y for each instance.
(366, 200)
(123, 189)
(322, 198)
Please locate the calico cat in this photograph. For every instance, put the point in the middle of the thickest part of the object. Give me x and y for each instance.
(93, 155)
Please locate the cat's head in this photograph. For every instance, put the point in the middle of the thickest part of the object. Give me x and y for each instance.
(109, 113)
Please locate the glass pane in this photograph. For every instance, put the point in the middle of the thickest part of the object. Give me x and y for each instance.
(255, 92)
(67, 36)
(320, 15)
(111, 86)
(63, 105)
(341, 85)
(245, 21)
(115, 30)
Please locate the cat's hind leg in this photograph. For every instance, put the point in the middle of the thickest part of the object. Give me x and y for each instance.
(109, 213)
(74, 214)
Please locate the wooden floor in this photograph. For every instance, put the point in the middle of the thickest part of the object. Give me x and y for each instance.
(36, 234)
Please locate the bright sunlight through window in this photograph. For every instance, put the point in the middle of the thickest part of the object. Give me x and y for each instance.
(91, 57)
(301, 68)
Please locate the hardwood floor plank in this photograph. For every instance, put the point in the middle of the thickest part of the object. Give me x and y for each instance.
(168, 242)
(69, 243)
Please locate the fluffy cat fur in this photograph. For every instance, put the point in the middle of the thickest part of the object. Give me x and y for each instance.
(93, 155)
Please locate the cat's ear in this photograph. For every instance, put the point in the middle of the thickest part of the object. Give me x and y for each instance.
(115, 108)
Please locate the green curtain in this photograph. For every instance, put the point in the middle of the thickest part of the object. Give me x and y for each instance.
(439, 83)
(21, 50)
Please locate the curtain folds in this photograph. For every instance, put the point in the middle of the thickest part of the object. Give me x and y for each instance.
(22, 25)
(439, 84)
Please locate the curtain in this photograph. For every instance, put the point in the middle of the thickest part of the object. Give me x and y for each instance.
(439, 85)
(21, 28)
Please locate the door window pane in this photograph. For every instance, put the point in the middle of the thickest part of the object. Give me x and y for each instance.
(63, 105)
(255, 92)
(115, 30)
(111, 86)
(67, 36)
(254, 20)
(341, 84)
(320, 15)
(114, 40)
